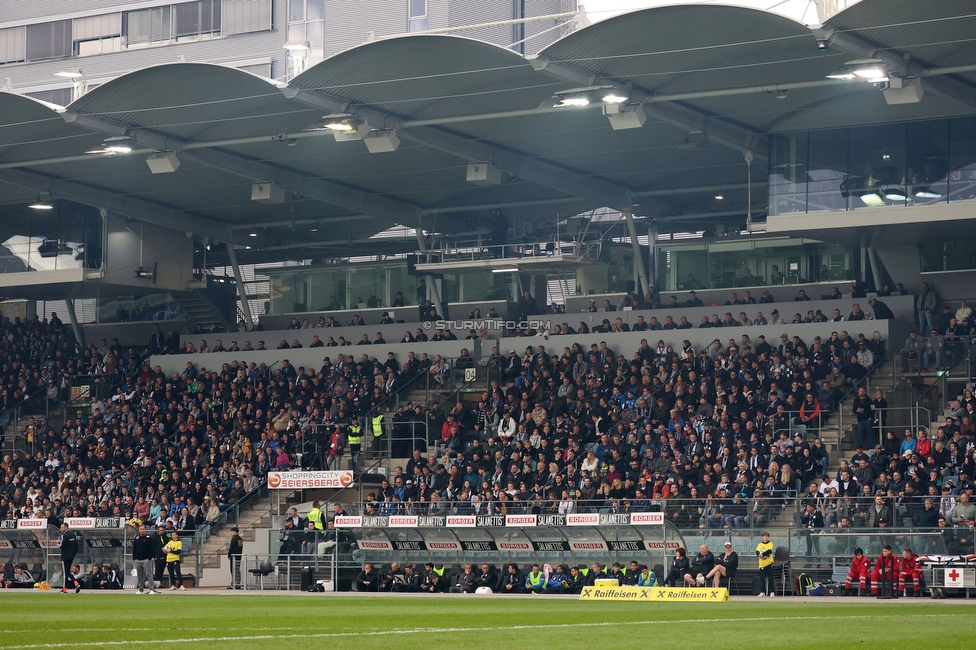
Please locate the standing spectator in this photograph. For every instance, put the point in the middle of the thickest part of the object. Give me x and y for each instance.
(234, 552)
(925, 304)
(862, 410)
(68, 543)
(764, 551)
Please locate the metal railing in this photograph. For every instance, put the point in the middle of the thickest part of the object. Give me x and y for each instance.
(481, 249)
(698, 514)
(284, 571)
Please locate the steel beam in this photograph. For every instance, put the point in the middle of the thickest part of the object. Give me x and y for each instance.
(532, 169)
(719, 131)
(315, 188)
(129, 206)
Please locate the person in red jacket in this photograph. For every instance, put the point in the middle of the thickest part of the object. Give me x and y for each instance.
(885, 568)
(860, 570)
(910, 569)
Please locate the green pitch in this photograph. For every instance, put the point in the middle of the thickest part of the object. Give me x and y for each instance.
(100, 620)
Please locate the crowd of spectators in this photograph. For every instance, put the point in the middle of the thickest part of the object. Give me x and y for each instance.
(597, 430)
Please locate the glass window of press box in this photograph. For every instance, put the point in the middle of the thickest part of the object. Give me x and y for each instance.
(754, 263)
(888, 165)
(368, 286)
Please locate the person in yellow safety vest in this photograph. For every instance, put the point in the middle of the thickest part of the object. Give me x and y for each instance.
(377, 422)
(535, 582)
(354, 435)
(315, 515)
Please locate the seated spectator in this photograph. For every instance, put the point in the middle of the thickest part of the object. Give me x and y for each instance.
(701, 566)
(726, 565)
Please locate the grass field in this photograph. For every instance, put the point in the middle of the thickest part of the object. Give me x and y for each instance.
(54, 620)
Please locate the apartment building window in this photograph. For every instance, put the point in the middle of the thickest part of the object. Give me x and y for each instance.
(49, 41)
(306, 22)
(417, 16)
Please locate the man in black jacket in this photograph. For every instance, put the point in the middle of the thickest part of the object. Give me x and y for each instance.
(234, 552)
(702, 565)
(68, 543)
(512, 581)
(144, 550)
(159, 540)
(487, 577)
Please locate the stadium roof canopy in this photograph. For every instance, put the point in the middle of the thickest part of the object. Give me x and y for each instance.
(713, 81)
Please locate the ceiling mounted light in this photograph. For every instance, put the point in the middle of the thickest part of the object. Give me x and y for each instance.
(252, 234)
(614, 97)
(782, 94)
(872, 199)
(344, 127)
(513, 270)
(927, 194)
(719, 197)
(577, 100)
(113, 145)
(870, 70)
(896, 194)
(43, 202)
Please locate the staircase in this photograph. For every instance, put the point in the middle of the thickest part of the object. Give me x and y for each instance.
(253, 522)
(199, 308)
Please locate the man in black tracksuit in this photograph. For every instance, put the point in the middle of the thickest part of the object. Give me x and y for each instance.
(68, 543)
(159, 541)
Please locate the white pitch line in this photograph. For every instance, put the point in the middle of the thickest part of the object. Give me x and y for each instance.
(452, 630)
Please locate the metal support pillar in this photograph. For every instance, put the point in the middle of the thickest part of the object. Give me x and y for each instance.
(638, 260)
(876, 269)
(241, 290)
(652, 246)
(432, 285)
(79, 333)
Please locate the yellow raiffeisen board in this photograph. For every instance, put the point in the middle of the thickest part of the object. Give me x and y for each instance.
(657, 594)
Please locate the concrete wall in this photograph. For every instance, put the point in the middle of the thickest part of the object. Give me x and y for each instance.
(629, 342)
(311, 358)
(780, 293)
(133, 244)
